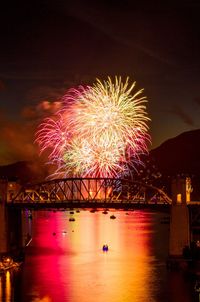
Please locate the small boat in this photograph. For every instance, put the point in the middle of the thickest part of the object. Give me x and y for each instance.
(92, 211)
(71, 219)
(105, 212)
(71, 212)
(105, 248)
(112, 217)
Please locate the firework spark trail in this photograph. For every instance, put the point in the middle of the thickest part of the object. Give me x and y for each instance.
(52, 135)
(100, 131)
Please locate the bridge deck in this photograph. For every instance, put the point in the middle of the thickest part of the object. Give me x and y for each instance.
(87, 190)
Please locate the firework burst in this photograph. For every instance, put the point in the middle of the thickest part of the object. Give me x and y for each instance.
(100, 131)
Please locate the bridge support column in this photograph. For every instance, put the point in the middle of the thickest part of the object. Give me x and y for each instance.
(179, 221)
(10, 225)
(179, 230)
(3, 231)
(3, 217)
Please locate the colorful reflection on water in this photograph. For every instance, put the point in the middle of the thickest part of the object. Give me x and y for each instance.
(5, 287)
(65, 261)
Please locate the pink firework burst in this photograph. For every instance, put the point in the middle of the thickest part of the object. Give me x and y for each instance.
(100, 131)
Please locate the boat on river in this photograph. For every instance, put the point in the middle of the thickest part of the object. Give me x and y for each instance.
(105, 248)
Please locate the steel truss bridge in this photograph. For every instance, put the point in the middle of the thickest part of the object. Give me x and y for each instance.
(90, 192)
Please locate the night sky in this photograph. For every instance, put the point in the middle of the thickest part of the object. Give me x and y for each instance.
(50, 46)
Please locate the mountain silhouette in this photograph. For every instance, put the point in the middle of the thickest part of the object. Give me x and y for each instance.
(179, 155)
(24, 172)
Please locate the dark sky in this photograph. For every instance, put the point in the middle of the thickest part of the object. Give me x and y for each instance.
(50, 46)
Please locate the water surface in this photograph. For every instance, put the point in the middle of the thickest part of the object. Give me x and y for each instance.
(65, 261)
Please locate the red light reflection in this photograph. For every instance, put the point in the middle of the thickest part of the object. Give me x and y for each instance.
(67, 263)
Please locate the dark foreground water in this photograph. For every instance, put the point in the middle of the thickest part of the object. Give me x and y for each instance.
(65, 261)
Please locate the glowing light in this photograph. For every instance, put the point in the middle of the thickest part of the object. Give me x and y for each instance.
(100, 131)
(8, 287)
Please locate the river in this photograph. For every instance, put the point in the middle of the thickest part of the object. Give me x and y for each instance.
(65, 261)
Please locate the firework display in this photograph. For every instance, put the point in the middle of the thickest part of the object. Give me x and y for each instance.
(100, 130)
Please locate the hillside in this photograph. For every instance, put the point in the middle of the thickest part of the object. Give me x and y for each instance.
(25, 172)
(179, 155)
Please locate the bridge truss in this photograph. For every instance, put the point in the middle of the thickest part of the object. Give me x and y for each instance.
(88, 190)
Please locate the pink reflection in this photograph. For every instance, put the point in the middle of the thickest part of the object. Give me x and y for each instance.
(48, 251)
(68, 264)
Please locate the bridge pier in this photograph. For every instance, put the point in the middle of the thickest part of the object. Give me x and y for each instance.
(3, 231)
(179, 220)
(3, 217)
(180, 231)
(10, 225)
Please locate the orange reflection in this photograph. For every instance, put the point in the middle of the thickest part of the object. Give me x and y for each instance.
(119, 274)
(8, 287)
(5, 287)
